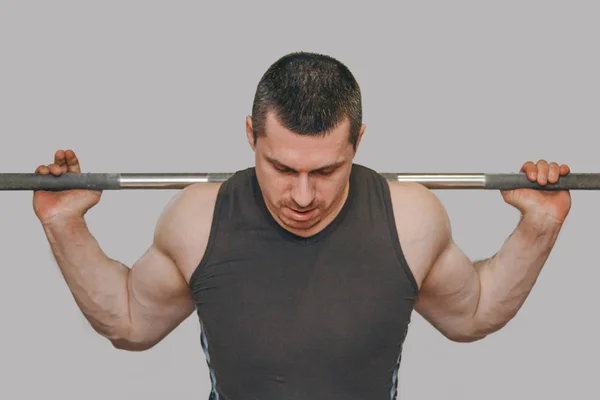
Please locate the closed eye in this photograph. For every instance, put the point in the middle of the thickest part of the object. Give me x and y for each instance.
(325, 172)
(284, 170)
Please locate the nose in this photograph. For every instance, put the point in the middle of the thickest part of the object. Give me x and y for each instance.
(302, 192)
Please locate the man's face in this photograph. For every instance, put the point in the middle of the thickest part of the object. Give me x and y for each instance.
(304, 179)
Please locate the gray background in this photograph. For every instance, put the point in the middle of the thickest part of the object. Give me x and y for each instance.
(147, 86)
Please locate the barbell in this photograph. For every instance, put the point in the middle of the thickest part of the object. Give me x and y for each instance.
(121, 181)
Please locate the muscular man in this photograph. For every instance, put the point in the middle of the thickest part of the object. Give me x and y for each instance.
(304, 269)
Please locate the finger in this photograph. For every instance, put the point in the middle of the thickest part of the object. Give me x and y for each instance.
(59, 158)
(542, 172)
(42, 169)
(530, 170)
(55, 169)
(553, 172)
(72, 161)
(564, 169)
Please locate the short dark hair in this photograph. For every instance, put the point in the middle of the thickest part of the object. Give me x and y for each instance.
(310, 94)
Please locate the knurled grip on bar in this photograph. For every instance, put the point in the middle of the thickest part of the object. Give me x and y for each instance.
(578, 181)
(88, 181)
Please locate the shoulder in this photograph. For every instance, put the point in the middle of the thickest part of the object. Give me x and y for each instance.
(422, 223)
(189, 215)
(184, 226)
(414, 206)
(410, 198)
(193, 201)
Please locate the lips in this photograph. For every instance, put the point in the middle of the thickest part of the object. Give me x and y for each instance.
(301, 215)
(301, 211)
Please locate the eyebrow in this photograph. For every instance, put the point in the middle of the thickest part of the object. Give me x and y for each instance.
(325, 167)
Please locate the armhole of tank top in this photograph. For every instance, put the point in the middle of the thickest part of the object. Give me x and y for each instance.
(214, 226)
(393, 229)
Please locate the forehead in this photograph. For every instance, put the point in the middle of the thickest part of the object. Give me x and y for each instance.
(304, 151)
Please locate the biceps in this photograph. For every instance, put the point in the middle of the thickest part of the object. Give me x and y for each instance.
(450, 293)
(159, 299)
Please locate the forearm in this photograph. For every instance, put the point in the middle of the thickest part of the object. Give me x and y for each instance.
(508, 277)
(98, 284)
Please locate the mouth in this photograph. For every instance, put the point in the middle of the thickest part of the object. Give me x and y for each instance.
(301, 215)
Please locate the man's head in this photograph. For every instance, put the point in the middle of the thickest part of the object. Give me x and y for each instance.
(305, 128)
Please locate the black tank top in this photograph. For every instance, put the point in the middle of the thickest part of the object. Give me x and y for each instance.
(289, 318)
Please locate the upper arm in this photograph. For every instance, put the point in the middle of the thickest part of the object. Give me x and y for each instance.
(159, 296)
(448, 281)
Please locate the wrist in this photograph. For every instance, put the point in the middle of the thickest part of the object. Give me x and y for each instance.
(541, 224)
(63, 223)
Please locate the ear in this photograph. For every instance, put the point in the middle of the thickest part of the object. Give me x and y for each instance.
(360, 135)
(250, 132)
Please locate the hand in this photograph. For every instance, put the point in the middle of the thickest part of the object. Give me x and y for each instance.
(68, 203)
(541, 204)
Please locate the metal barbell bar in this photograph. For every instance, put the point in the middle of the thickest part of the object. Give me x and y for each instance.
(123, 181)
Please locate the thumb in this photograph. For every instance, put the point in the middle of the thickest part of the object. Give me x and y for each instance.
(514, 198)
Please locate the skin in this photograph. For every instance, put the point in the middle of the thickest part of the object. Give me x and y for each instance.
(136, 307)
(302, 174)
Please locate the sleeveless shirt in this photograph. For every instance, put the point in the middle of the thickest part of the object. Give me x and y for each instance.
(283, 317)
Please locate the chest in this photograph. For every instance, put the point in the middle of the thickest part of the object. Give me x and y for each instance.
(299, 299)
